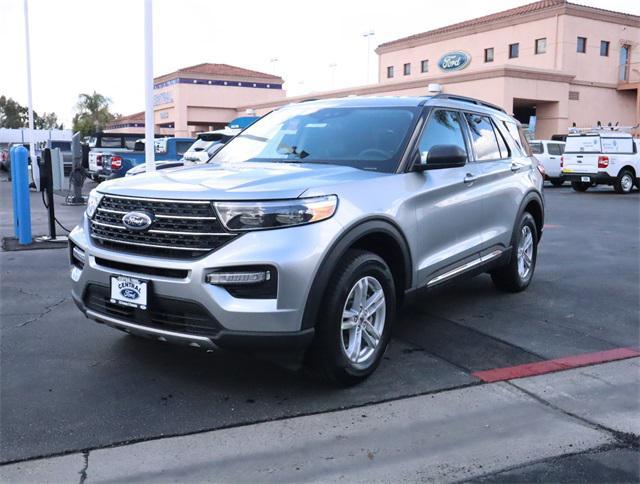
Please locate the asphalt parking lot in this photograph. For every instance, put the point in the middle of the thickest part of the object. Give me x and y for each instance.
(69, 384)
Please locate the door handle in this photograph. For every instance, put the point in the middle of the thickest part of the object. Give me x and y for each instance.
(469, 178)
(552, 157)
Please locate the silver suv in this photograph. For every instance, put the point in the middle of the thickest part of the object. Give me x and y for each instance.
(312, 226)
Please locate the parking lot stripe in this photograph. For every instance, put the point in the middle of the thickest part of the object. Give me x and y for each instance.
(558, 364)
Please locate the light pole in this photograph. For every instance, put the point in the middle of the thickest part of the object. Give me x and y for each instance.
(149, 145)
(368, 36)
(274, 61)
(35, 169)
(333, 66)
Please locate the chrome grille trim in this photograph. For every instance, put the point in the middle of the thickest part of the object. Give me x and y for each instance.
(181, 228)
(115, 241)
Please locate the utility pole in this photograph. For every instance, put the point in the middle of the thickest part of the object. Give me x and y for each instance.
(368, 36)
(35, 169)
(149, 145)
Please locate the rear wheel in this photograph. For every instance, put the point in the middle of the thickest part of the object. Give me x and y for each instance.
(557, 182)
(580, 186)
(624, 183)
(355, 325)
(517, 275)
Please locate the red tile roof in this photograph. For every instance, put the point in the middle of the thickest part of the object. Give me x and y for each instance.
(222, 70)
(136, 117)
(506, 14)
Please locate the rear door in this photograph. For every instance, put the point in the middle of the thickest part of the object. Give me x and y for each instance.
(505, 172)
(552, 163)
(581, 154)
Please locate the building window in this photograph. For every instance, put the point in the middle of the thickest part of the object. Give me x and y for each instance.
(541, 46)
(582, 45)
(604, 48)
(488, 54)
(407, 69)
(574, 95)
(424, 65)
(514, 51)
(389, 72)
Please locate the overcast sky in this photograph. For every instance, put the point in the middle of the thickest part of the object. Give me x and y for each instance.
(85, 45)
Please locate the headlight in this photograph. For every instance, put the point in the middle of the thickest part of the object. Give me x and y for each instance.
(242, 216)
(92, 202)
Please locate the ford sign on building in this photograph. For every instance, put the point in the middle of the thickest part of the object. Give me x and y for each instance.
(454, 61)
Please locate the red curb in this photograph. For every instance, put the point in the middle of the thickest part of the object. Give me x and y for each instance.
(559, 364)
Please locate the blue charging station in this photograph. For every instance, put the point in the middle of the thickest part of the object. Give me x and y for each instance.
(20, 187)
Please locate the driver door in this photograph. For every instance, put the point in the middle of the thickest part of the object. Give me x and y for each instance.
(448, 203)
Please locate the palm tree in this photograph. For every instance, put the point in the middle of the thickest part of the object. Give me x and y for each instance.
(93, 113)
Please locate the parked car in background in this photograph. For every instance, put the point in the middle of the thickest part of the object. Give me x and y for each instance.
(117, 163)
(601, 156)
(206, 155)
(103, 143)
(199, 150)
(310, 228)
(548, 154)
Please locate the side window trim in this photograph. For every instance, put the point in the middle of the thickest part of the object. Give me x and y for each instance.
(497, 132)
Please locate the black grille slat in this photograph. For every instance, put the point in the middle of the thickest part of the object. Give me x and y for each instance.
(163, 313)
(180, 229)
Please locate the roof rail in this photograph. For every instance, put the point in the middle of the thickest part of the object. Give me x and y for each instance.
(455, 97)
(600, 129)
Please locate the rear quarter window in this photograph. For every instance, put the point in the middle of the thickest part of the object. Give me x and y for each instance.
(537, 148)
(555, 148)
(583, 144)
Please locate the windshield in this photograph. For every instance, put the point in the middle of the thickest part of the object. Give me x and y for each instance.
(364, 138)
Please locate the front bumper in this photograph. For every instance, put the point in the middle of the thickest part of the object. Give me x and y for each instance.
(295, 252)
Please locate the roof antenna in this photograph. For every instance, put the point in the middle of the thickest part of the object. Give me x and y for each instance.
(599, 124)
(573, 125)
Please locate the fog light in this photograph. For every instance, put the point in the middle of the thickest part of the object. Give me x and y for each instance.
(75, 274)
(230, 278)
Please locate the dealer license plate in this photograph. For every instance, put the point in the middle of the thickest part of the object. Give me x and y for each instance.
(129, 291)
(585, 179)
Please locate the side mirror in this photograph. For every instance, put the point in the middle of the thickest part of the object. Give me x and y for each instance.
(443, 156)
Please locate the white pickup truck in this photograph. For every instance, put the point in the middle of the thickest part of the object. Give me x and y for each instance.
(601, 157)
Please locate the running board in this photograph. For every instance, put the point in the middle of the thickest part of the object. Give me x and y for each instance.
(465, 267)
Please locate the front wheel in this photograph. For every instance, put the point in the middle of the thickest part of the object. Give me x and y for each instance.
(355, 324)
(624, 182)
(580, 186)
(517, 275)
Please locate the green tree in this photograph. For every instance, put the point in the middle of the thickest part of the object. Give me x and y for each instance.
(12, 114)
(46, 121)
(92, 113)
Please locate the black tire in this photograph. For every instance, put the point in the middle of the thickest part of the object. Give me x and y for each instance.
(625, 181)
(580, 186)
(327, 354)
(508, 278)
(557, 182)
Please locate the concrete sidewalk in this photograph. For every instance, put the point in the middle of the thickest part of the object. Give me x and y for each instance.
(474, 432)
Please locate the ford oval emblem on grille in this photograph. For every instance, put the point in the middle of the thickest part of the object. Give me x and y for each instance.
(137, 221)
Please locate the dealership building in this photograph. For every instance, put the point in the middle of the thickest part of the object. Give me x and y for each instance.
(550, 63)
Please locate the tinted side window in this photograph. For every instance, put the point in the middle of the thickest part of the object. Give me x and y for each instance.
(555, 148)
(483, 138)
(111, 142)
(443, 128)
(504, 151)
(537, 148)
(182, 147)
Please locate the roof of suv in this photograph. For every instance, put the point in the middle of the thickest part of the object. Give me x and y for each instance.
(405, 101)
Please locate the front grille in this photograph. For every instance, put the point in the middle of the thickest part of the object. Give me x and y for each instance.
(163, 313)
(183, 229)
(151, 271)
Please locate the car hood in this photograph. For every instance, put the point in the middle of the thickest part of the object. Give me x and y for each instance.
(238, 181)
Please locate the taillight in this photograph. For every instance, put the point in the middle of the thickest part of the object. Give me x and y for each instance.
(603, 161)
(99, 160)
(116, 162)
(561, 161)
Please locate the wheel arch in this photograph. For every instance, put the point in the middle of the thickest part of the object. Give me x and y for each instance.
(532, 203)
(380, 235)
